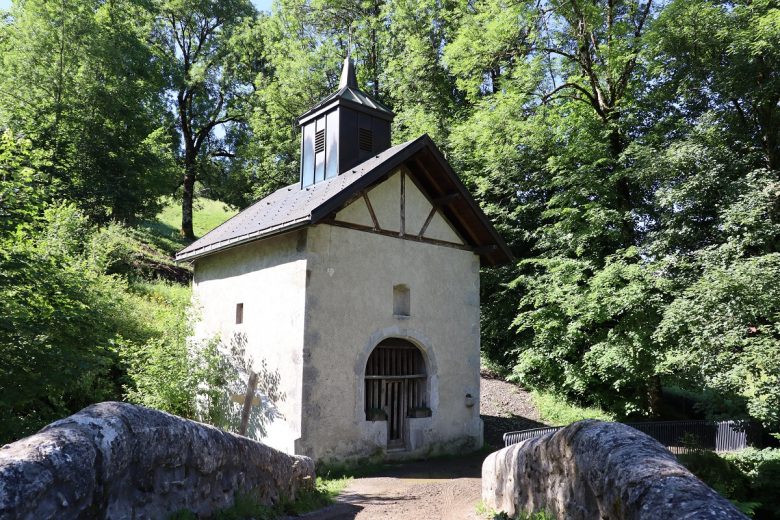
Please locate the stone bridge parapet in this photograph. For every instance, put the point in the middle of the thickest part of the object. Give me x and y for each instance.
(116, 460)
(593, 469)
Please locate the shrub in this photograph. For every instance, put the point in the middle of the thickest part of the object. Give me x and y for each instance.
(58, 323)
(762, 468)
(557, 411)
(720, 474)
(749, 478)
(70, 323)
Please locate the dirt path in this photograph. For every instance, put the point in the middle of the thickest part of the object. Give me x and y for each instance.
(445, 488)
(505, 407)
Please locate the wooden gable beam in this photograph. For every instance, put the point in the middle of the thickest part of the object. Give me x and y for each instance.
(446, 200)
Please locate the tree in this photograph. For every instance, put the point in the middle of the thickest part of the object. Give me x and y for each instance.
(718, 220)
(210, 87)
(725, 57)
(418, 85)
(79, 80)
(626, 149)
(397, 47)
(554, 97)
(301, 68)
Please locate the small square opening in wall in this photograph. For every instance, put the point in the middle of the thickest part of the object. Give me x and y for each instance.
(239, 313)
(401, 300)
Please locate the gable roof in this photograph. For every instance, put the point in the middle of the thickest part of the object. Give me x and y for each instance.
(293, 207)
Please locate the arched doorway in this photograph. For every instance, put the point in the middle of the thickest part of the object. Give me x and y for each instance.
(396, 386)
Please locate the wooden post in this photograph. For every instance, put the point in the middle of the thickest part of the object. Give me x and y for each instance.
(250, 395)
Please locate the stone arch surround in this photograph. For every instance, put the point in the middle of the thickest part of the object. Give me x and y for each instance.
(419, 340)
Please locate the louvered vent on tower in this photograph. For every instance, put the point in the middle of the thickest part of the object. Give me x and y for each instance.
(341, 131)
(366, 138)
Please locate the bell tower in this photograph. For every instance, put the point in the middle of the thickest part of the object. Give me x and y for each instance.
(342, 130)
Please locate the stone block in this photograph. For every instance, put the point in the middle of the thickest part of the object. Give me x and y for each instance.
(120, 461)
(593, 469)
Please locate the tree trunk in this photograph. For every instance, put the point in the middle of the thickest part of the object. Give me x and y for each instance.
(622, 188)
(769, 127)
(188, 196)
(654, 395)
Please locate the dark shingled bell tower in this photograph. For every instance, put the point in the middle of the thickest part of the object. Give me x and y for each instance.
(342, 130)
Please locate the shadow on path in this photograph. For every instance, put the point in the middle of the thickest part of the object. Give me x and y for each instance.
(446, 487)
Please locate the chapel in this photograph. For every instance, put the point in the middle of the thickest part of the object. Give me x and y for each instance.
(359, 286)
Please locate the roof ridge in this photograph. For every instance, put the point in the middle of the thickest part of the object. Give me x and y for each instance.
(289, 208)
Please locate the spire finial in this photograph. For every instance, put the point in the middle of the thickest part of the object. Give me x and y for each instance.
(348, 78)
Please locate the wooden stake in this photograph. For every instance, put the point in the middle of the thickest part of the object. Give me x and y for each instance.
(250, 395)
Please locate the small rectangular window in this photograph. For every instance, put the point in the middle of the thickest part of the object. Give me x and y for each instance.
(239, 313)
(401, 300)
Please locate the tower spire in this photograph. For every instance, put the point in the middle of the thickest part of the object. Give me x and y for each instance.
(348, 78)
(343, 130)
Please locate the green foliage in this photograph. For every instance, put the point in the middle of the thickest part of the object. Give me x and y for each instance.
(80, 81)
(539, 515)
(719, 473)
(555, 410)
(592, 330)
(324, 493)
(24, 187)
(161, 373)
(762, 468)
(300, 68)
(724, 328)
(229, 369)
(486, 512)
(59, 323)
(749, 478)
(85, 315)
(628, 152)
(247, 507)
(168, 370)
(209, 77)
(633, 168)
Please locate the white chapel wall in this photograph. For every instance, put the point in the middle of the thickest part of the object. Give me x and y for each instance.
(349, 308)
(269, 278)
(385, 199)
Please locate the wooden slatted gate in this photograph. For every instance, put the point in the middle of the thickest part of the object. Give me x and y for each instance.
(395, 384)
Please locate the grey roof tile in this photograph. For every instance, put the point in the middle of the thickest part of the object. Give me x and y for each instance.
(286, 208)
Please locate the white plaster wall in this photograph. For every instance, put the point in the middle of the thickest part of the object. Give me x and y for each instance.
(269, 278)
(349, 309)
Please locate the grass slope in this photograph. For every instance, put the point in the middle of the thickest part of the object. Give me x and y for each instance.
(557, 411)
(163, 231)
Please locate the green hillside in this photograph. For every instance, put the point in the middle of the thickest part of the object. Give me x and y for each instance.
(163, 231)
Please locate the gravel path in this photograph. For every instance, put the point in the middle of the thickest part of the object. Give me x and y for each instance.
(445, 488)
(505, 407)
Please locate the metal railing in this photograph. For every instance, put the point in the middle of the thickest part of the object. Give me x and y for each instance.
(677, 436)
